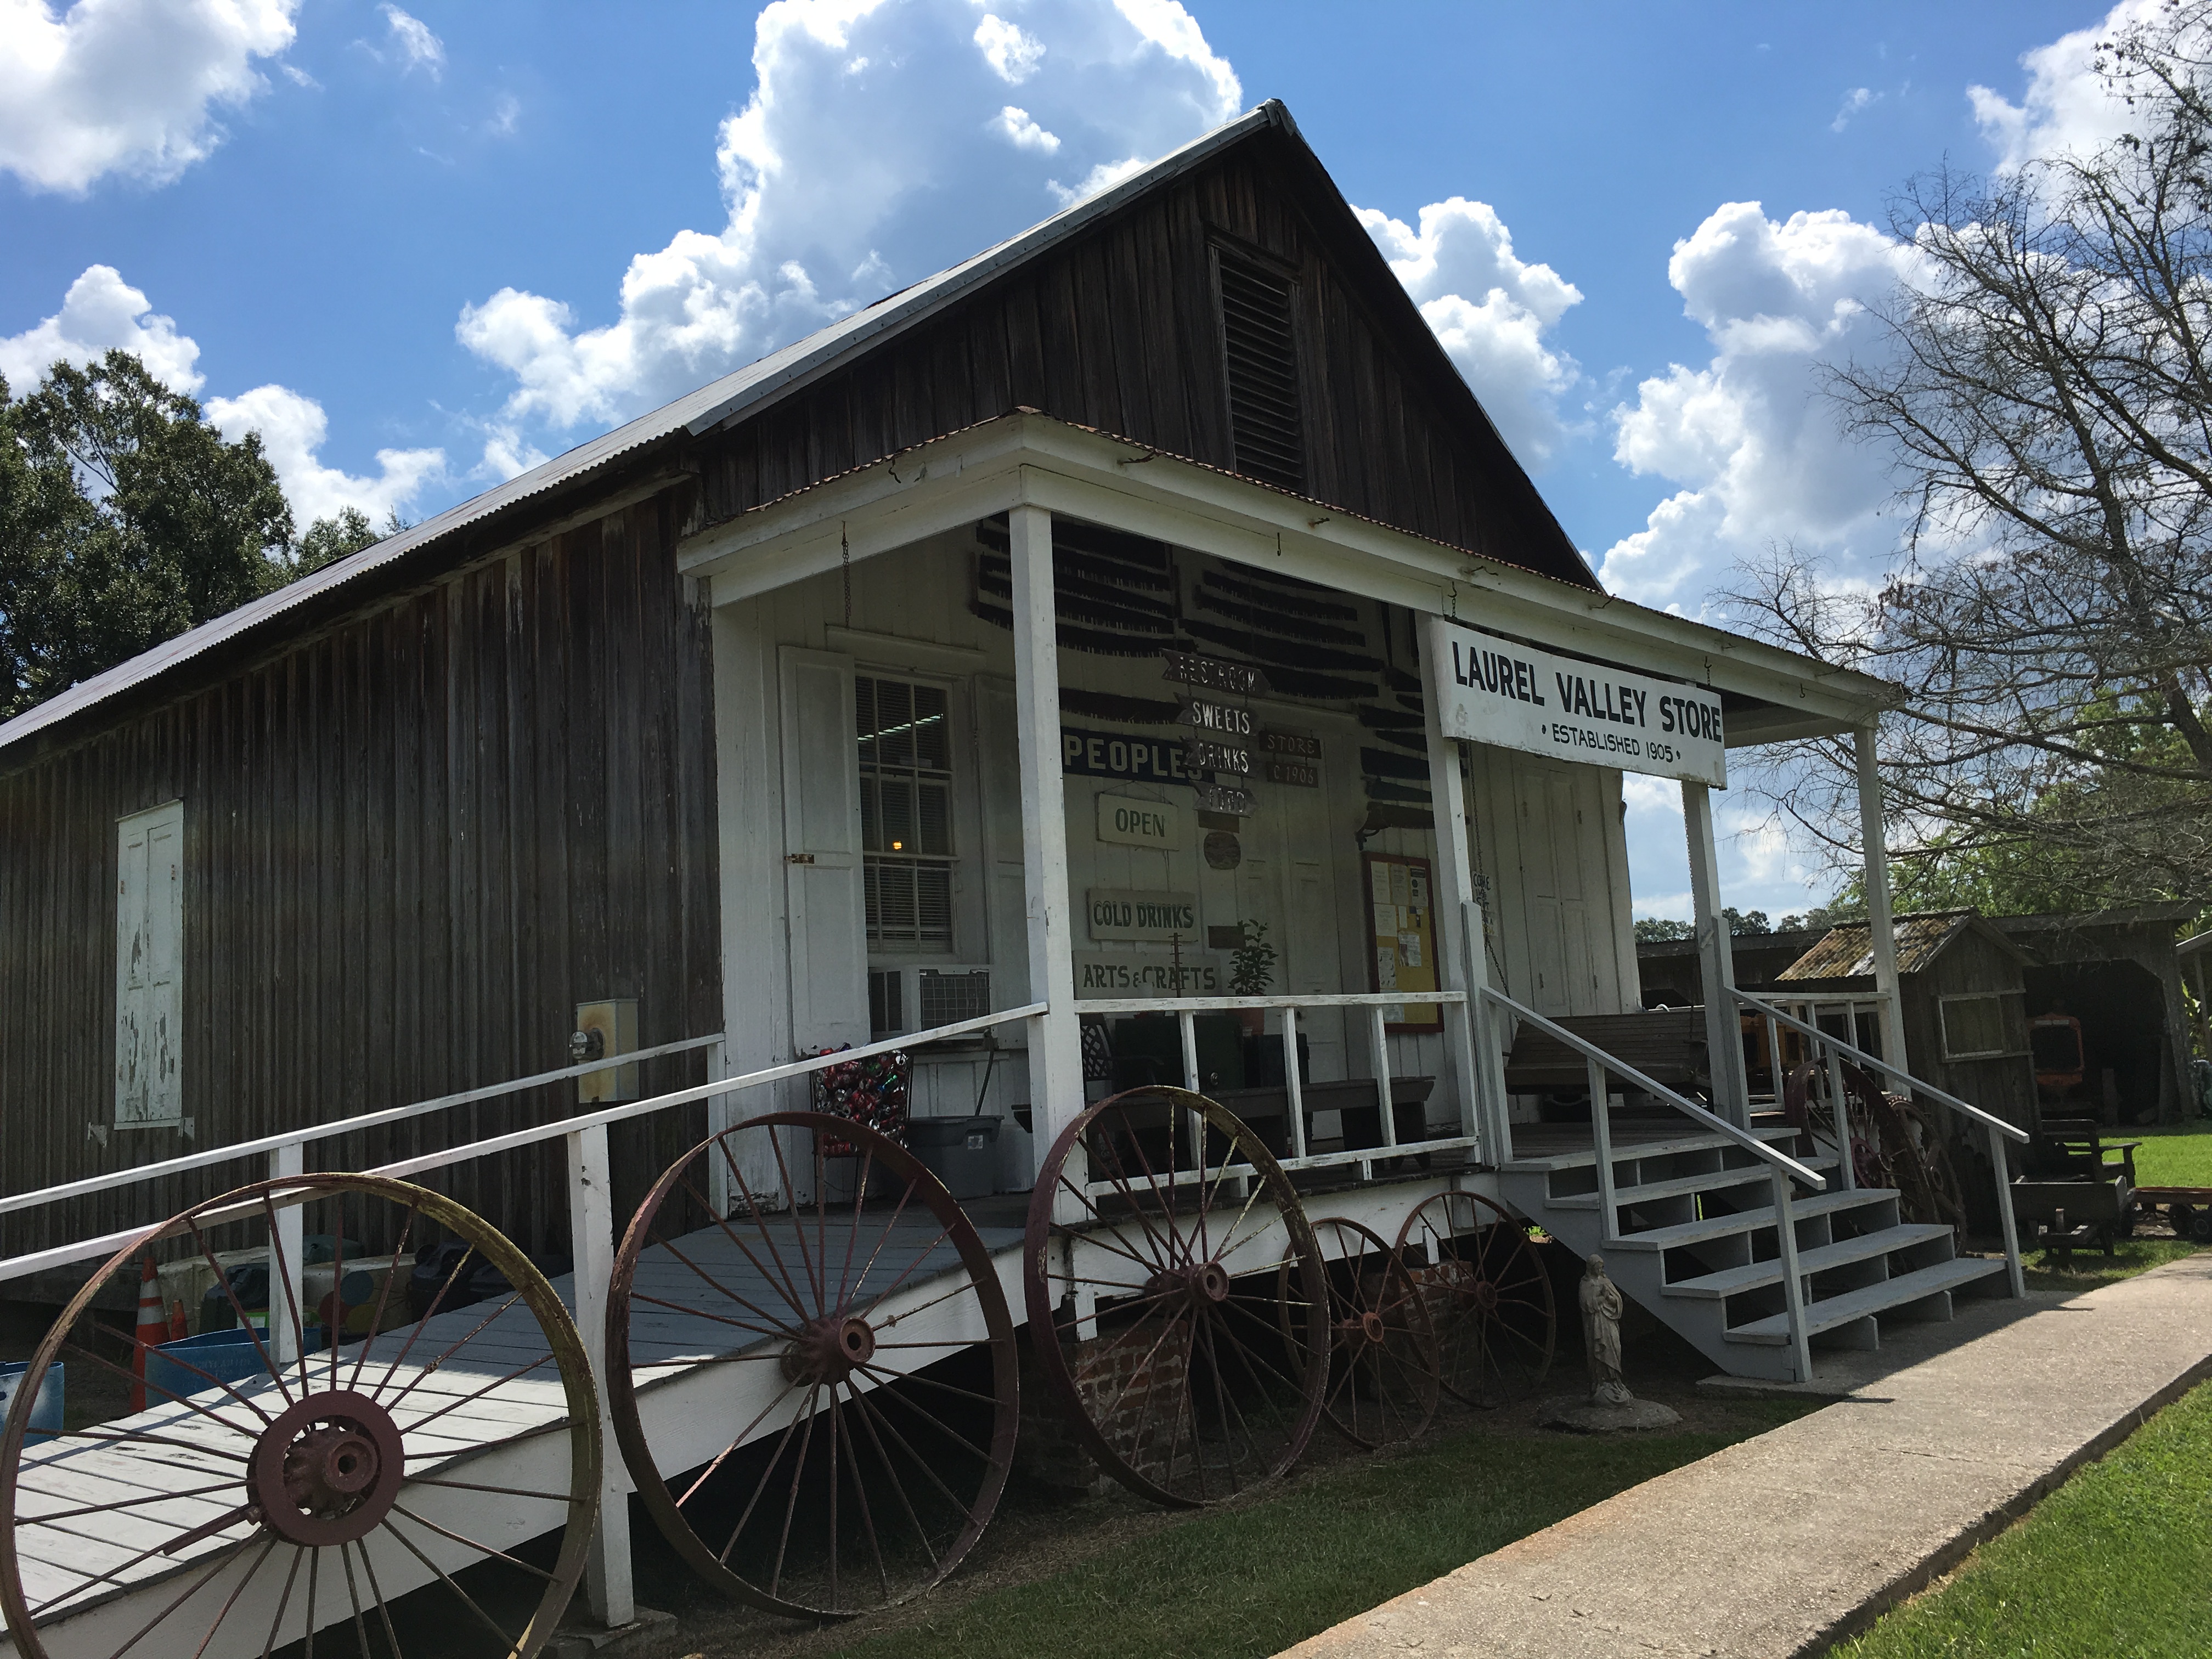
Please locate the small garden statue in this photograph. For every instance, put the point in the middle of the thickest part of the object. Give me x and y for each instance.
(1609, 1407)
(1601, 1305)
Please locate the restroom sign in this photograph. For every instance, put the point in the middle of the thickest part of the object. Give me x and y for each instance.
(1489, 690)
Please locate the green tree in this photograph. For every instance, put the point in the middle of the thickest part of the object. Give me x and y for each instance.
(2044, 393)
(1653, 929)
(343, 533)
(125, 518)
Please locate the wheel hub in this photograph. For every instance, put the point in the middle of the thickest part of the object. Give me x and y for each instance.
(829, 1349)
(327, 1469)
(1202, 1283)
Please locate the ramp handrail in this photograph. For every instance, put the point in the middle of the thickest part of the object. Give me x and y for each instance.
(1781, 1168)
(342, 1126)
(287, 1144)
(1837, 1050)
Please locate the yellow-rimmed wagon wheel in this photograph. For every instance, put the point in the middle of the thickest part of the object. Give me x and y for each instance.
(1488, 1295)
(1186, 1365)
(1384, 1383)
(831, 1383)
(257, 1495)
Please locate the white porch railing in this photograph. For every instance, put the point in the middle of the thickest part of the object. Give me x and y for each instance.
(1835, 1051)
(1781, 1168)
(591, 1223)
(1186, 1008)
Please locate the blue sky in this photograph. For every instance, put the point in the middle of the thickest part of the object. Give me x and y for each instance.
(419, 248)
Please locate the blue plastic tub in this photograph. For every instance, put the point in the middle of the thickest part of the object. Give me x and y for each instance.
(45, 1410)
(226, 1356)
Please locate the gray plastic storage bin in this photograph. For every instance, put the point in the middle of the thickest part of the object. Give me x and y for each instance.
(962, 1152)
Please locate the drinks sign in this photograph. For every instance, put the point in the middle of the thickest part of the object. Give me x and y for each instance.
(1489, 690)
(1159, 918)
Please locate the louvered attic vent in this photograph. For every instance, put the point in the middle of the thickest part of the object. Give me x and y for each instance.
(1263, 372)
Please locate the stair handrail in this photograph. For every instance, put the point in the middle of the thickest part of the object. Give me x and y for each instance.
(1850, 1052)
(1989, 1122)
(1781, 1168)
(1718, 1125)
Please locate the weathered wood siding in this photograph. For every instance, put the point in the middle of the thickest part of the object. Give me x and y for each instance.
(1118, 329)
(413, 843)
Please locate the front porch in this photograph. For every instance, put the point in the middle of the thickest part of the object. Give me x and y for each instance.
(1035, 715)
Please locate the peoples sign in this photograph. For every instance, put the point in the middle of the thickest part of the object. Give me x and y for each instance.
(1489, 690)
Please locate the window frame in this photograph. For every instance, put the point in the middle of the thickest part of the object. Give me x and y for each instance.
(959, 830)
(1943, 1024)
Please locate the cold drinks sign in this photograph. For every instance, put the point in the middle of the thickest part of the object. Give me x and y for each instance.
(1494, 691)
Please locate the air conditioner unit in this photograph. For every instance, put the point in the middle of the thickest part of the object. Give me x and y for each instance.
(919, 996)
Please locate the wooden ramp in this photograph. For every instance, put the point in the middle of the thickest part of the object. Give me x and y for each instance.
(139, 1521)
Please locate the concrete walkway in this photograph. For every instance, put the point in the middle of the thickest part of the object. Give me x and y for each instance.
(1783, 1544)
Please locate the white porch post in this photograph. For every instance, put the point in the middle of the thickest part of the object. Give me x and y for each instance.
(1881, 932)
(1724, 1045)
(1056, 1043)
(607, 1585)
(1461, 965)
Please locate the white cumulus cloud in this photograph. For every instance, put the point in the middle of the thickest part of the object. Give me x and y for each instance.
(877, 148)
(293, 429)
(1755, 450)
(102, 311)
(411, 38)
(1012, 55)
(1015, 127)
(1492, 312)
(2067, 104)
(126, 86)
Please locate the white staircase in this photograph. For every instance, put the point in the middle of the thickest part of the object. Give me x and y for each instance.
(1692, 1238)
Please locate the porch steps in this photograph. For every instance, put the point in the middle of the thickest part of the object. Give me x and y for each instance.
(1694, 1241)
(1831, 1312)
(1732, 1281)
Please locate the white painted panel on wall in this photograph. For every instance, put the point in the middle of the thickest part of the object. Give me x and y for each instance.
(150, 926)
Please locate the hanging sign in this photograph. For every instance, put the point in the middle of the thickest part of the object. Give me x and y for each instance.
(1204, 755)
(1118, 912)
(1225, 797)
(1128, 823)
(1489, 690)
(1188, 668)
(1208, 716)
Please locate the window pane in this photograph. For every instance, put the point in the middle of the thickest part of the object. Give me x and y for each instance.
(930, 744)
(872, 818)
(897, 816)
(933, 815)
(1974, 1025)
(894, 721)
(864, 718)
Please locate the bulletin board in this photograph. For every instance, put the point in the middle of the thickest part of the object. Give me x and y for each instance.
(1401, 902)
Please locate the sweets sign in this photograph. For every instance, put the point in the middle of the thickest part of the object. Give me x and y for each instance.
(1489, 690)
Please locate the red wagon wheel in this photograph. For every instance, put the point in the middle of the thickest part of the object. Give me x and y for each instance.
(1487, 1293)
(832, 1384)
(1154, 1304)
(1384, 1383)
(251, 1500)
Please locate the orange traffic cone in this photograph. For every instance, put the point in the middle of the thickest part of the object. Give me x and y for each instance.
(179, 1325)
(153, 1329)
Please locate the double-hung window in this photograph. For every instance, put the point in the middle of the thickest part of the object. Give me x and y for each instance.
(906, 813)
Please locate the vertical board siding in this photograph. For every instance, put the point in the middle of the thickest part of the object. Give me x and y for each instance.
(1117, 328)
(412, 845)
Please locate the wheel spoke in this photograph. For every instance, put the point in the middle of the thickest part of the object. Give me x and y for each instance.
(708, 1473)
(284, 1600)
(376, 1591)
(798, 1222)
(245, 1321)
(446, 1578)
(383, 1296)
(282, 1275)
(473, 1544)
(775, 1327)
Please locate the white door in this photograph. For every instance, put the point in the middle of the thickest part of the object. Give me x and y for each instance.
(150, 926)
(824, 881)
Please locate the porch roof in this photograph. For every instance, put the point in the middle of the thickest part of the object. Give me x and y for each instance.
(1101, 478)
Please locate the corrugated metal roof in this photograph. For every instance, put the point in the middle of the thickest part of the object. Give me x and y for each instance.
(1847, 953)
(735, 393)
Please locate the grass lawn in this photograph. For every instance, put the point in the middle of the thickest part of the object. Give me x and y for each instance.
(2180, 1154)
(1255, 1579)
(2091, 1268)
(2117, 1563)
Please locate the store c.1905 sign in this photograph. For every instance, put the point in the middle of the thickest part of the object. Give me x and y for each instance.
(1489, 690)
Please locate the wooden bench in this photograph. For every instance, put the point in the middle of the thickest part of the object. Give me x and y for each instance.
(1667, 1045)
(2075, 1149)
